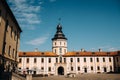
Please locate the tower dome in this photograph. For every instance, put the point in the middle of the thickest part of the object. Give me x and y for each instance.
(59, 34)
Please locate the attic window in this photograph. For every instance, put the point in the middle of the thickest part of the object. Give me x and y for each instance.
(108, 53)
(42, 53)
(93, 52)
(24, 53)
(77, 53)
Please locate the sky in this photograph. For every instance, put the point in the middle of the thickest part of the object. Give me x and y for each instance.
(87, 24)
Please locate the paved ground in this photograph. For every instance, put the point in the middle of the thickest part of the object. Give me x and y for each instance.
(82, 77)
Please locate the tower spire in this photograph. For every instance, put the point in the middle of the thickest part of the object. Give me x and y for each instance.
(59, 20)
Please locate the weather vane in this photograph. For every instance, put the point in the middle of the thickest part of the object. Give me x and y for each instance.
(59, 20)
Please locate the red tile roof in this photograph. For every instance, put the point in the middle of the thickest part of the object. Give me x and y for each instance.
(37, 54)
(68, 54)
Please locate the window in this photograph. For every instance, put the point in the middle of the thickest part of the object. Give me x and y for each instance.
(71, 68)
(55, 43)
(27, 60)
(71, 59)
(110, 68)
(109, 59)
(60, 59)
(56, 60)
(78, 68)
(64, 60)
(20, 60)
(91, 60)
(98, 68)
(49, 60)
(9, 50)
(97, 59)
(78, 59)
(84, 59)
(60, 50)
(13, 54)
(15, 35)
(60, 43)
(42, 68)
(117, 59)
(11, 30)
(103, 59)
(55, 50)
(49, 69)
(42, 60)
(6, 25)
(91, 67)
(35, 60)
(64, 50)
(0, 16)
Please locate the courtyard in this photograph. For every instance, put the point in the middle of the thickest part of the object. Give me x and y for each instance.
(82, 77)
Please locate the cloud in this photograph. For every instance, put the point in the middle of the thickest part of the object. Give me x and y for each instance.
(37, 41)
(26, 11)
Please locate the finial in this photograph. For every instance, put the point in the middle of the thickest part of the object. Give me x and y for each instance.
(59, 20)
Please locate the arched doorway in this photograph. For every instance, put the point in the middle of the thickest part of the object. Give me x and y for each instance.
(60, 70)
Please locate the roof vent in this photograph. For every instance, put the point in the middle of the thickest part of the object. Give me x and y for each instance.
(82, 50)
(36, 49)
(100, 50)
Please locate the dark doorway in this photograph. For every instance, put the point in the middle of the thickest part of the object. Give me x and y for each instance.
(105, 70)
(85, 70)
(60, 71)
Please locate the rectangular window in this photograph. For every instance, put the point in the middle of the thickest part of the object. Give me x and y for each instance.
(60, 50)
(35, 60)
(97, 59)
(78, 68)
(71, 59)
(6, 25)
(0, 16)
(42, 60)
(110, 68)
(42, 68)
(91, 60)
(11, 30)
(13, 54)
(9, 52)
(103, 59)
(64, 60)
(56, 60)
(49, 69)
(78, 59)
(20, 60)
(117, 59)
(60, 59)
(49, 60)
(109, 59)
(27, 60)
(15, 35)
(98, 68)
(91, 67)
(71, 68)
(84, 59)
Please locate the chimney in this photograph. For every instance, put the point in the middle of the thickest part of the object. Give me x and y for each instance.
(82, 50)
(100, 50)
(36, 49)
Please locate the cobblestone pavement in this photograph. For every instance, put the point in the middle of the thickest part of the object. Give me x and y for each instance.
(82, 77)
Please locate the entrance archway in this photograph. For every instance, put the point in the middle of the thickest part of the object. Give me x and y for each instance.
(60, 70)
